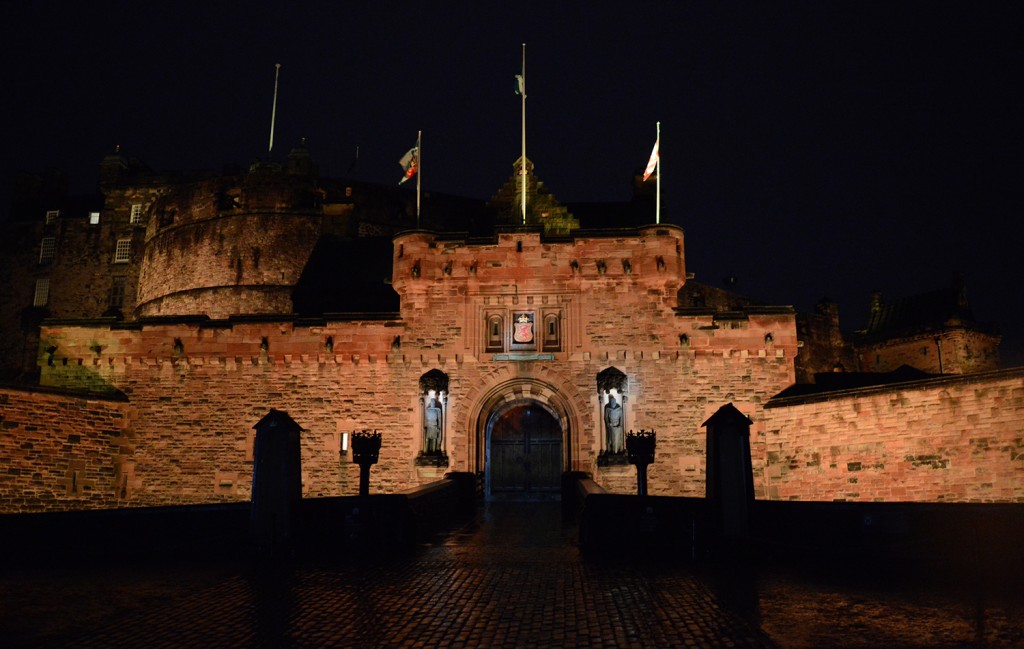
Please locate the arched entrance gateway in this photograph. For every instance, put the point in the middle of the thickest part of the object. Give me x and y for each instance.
(524, 452)
(524, 440)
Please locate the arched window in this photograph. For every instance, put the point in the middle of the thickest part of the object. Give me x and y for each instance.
(495, 335)
(551, 334)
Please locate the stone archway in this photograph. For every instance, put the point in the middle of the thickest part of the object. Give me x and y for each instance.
(533, 414)
(524, 451)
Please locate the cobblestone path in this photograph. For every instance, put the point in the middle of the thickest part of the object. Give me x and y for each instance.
(514, 578)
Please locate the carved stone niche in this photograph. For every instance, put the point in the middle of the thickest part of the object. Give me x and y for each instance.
(612, 385)
(612, 379)
(433, 419)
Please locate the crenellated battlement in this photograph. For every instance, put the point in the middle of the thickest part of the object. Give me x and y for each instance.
(652, 254)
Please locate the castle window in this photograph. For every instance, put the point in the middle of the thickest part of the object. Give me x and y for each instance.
(51, 216)
(495, 329)
(551, 333)
(42, 295)
(94, 218)
(123, 251)
(117, 292)
(47, 249)
(136, 216)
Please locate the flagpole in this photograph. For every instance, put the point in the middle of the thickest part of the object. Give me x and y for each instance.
(419, 173)
(657, 192)
(523, 172)
(273, 111)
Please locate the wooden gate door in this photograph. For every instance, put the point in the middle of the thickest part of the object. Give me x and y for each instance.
(526, 452)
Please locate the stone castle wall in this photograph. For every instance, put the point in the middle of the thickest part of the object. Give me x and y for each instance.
(193, 406)
(184, 394)
(84, 267)
(228, 246)
(194, 393)
(951, 439)
(61, 451)
(196, 388)
(82, 271)
(956, 351)
(184, 433)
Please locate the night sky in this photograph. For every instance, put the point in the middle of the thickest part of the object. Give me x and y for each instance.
(809, 149)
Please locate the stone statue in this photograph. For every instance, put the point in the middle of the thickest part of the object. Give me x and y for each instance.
(432, 426)
(613, 425)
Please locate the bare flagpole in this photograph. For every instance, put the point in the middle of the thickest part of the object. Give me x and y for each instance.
(523, 93)
(419, 173)
(273, 111)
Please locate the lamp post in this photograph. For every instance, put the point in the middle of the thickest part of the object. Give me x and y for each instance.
(365, 452)
(640, 451)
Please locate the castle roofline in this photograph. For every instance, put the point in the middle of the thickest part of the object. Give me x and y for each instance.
(578, 234)
(804, 393)
(206, 322)
(931, 312)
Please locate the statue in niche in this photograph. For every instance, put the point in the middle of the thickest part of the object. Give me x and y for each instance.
(613, 425)
(432, 426)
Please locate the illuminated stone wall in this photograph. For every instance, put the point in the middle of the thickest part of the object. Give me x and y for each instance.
(60, 451)
(950, 439)
(193, 405)
(195, 388)
(228, 245)
(183, 397)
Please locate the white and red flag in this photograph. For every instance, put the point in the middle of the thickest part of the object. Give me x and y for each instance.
(410, 163)
(652, 164)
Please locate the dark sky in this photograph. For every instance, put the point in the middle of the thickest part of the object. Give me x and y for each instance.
(810, 149)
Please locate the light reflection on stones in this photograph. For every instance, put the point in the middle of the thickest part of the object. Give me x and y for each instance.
(802, 613)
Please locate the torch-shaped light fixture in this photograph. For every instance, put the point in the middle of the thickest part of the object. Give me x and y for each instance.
(640, 451)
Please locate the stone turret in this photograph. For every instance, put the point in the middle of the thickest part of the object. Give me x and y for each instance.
(232, 244)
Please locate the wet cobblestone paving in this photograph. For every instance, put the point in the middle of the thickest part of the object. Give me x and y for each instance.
(513, 578)
(807, 614)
